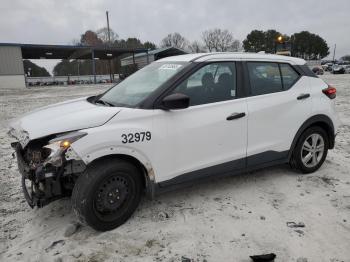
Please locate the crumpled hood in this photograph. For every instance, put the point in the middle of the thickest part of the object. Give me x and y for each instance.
(62, 117)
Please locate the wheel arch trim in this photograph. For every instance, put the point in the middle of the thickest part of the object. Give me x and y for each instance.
(126, 153)
(321, 119)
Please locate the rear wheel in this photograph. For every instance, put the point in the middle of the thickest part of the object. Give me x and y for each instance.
(107, 194)
(311, 150)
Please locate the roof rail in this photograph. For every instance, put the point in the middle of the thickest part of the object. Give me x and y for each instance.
(214, 53)
(207, 54)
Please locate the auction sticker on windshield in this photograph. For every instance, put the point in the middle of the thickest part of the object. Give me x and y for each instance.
(170, 66)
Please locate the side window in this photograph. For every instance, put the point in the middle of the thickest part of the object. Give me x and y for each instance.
(289, 76)
(196, 79)
(264, 78)
(212, 83)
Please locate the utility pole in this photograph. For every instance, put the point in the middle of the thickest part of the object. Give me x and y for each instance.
(109, 33)
(109, 43)
(335, 47)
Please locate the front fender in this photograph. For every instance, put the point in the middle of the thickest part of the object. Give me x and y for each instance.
(109, 140)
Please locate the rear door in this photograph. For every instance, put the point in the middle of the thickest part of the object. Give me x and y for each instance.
(278, 104)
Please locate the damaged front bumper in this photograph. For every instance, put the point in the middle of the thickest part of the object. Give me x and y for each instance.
(46, 183)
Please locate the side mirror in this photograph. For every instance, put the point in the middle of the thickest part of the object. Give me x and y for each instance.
(176, 101)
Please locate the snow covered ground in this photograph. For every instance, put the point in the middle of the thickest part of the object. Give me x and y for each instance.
(224, 220)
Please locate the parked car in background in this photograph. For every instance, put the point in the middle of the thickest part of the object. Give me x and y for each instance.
(324, 62)
(318, 70)
(347, 69)
(338, 69)
(328, 67)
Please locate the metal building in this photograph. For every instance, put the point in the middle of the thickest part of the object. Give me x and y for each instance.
(11, 67)
(12, 74)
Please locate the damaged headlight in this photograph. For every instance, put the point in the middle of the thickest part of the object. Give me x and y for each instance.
(59, 145)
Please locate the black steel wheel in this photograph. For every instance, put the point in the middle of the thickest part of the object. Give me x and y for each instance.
(111, 196)
(107, 194)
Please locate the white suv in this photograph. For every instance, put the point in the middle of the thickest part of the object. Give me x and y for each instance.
(174, 121)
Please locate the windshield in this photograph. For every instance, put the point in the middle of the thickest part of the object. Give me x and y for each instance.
(139, 85)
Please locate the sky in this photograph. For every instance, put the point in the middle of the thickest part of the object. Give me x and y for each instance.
(62, 21)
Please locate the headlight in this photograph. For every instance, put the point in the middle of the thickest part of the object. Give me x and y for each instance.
(59, 145)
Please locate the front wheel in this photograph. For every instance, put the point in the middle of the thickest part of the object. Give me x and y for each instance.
(311, 150)
(107, 194)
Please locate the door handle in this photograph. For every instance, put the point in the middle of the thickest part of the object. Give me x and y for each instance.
(303, 96)
(235, 116)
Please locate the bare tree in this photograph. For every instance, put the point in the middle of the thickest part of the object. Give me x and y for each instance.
(175, 40)
(225, 40)
(209, 40)
(196, 47)
(236, 46)
(90, 38)
(102, 33)
(75, 42)
(217, 40)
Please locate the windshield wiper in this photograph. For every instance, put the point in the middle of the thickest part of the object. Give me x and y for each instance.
(103, 102)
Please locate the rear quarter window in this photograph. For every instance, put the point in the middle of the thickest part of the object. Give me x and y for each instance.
(306, 71)
(289, 76)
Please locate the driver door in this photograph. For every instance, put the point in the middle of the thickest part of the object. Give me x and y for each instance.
(208, 137)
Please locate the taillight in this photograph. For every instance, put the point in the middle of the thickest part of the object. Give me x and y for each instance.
(331, 92)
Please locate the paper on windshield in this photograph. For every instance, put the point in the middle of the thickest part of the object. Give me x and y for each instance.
(170, 67)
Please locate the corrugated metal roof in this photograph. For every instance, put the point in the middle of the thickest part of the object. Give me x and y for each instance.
(36, 51)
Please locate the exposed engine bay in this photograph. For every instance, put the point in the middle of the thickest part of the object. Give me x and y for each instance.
(49, 167)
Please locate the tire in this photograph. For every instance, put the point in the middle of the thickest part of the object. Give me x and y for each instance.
(310, 145)
(107, 194)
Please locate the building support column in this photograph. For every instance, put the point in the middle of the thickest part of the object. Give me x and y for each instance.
(93, 65)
